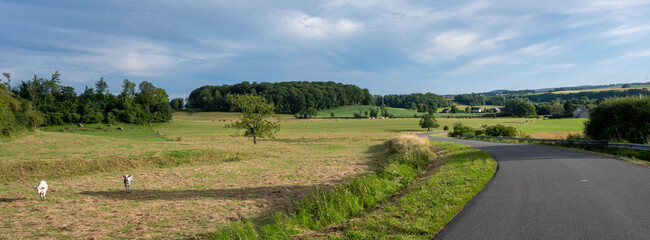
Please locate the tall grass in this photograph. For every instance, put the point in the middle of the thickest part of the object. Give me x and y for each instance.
(77, 167)
(405, 158)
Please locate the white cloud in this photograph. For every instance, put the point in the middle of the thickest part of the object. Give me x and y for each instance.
(540, 50)
(627, 29)
(455, 43)
(476, 64)
(313, 27)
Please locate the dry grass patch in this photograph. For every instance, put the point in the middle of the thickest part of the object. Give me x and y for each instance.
(183, 201)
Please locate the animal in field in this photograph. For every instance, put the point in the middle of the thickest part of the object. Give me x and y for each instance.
(128, 179)
(41, 188)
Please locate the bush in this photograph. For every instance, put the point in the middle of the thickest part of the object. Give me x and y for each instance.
(407, 143)
(460, 130)
(500, 131)
(620, 119)
(445, 128)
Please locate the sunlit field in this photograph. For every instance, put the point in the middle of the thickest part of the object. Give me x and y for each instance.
(190, 175)
(554, 128)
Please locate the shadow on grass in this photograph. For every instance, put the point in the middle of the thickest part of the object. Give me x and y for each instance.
(11, 199)
(271, 193)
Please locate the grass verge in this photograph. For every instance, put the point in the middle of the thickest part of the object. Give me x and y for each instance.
(428, 204)
(407, 157)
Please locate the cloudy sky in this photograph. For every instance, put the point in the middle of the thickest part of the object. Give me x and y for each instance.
(390, 46)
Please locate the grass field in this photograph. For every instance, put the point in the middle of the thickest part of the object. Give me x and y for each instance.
(553, 128)
(190, 175)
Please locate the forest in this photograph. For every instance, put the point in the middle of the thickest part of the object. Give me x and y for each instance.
(53, 103)
(288, 97)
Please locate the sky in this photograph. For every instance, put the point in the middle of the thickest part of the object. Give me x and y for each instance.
(388, 47)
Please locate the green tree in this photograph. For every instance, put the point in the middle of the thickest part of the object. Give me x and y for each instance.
(176, 103)
(454, 109)
(468, 109)
(557, 109)
(568, 108)
(520, 107)
(428, 121)
(255, 112)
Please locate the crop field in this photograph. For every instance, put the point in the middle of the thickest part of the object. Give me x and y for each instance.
(603, 89)
(190, 175)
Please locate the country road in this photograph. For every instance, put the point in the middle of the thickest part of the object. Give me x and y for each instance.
(542, 192)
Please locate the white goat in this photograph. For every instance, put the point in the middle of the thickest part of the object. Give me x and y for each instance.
(128, 179)
(42, 189)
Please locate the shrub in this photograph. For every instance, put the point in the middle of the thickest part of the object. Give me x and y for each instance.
(620, 119)
(407, 143)
(445, 128)
(460, 130)
(500, 131)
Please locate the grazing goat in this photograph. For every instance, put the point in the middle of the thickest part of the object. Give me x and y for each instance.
(42, 189)
(128, 179)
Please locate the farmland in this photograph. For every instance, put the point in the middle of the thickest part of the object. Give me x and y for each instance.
(554, 128)
(190, 175)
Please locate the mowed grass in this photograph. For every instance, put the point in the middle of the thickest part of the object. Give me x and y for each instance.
(553, 128)
(200, 177)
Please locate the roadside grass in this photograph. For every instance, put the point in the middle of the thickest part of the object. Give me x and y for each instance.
(428, 204)
(407, 156)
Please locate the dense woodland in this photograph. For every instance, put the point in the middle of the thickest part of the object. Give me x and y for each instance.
(58, 104)
(288, 97)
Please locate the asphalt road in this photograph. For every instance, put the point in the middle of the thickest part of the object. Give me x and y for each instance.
(542, 192)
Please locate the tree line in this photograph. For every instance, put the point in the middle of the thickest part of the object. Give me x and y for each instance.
(301, 98)
(415, 101)
(59, 104)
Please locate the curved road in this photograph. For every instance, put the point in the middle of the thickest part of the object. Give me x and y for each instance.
(542, 192)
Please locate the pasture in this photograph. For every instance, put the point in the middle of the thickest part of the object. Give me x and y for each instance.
(190, 175)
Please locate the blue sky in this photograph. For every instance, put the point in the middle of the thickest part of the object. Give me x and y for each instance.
(443, 47)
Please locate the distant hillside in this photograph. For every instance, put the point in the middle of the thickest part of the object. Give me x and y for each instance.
(593, 88)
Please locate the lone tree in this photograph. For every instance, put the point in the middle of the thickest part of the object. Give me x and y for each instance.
(255, 111)
(428, 121)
